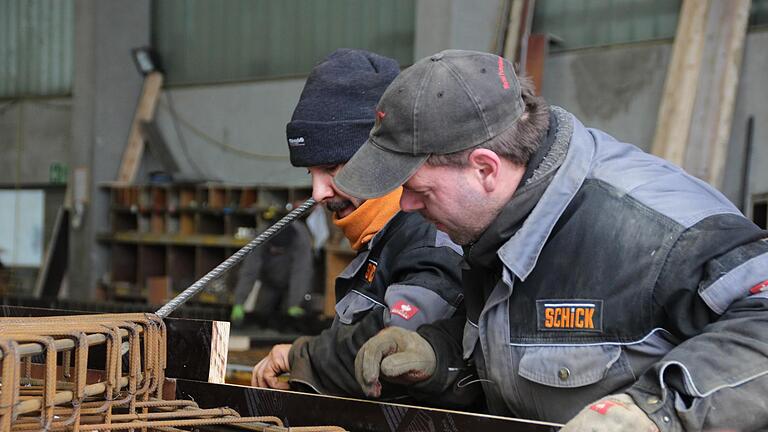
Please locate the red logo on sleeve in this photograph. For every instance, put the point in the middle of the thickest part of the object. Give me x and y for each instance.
(761, 287)
(404, 310)
(602, 407)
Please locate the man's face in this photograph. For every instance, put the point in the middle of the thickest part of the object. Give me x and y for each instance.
(451, 198)
(325, 192)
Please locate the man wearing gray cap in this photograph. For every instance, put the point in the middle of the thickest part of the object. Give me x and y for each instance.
(604, 287)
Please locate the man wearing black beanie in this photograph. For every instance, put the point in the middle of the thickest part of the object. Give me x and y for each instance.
(406, 272)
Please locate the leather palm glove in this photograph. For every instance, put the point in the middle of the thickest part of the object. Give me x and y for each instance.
(398, 355)
(614, 413)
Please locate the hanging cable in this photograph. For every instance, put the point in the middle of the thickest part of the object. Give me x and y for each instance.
(180, 136)
(211, 140)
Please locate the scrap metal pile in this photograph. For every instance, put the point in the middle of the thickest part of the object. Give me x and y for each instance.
(47, 384)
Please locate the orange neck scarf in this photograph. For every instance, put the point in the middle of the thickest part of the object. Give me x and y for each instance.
(362, 224)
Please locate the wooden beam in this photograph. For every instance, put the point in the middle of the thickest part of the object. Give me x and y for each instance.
(518, 30)
(674, 118)
(708, 140)
(145, 111)
(217, 366)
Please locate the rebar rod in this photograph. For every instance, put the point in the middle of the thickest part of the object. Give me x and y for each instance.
(196, 287)
(32, 349)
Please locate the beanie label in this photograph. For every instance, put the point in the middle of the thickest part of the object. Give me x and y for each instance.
(296, 142)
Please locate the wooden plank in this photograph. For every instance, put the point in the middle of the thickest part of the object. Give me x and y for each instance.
(217, 366)
(145, 111)
(674, 118)
(512, 40)
(304, 409)
(708, 140)
(518, 30)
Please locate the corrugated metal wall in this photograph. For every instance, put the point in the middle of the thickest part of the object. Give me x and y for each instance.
(587, 23)
(203, 41)
(36, 47)
(590, 23)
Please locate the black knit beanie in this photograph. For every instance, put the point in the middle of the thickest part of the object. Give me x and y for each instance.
(336, 110)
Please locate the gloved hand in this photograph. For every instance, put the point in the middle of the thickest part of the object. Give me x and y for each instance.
(399, 355)
(614, 413)
(266, 371)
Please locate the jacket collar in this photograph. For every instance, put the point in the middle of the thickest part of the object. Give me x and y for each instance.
(362, 255)
(522, 251)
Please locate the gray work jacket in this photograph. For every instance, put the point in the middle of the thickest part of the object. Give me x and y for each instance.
(628, 275)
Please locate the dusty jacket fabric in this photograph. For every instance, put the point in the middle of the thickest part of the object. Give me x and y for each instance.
(628, 275)
(408, 276)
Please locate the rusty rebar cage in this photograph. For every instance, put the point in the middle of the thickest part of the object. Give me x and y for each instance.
(45, 382)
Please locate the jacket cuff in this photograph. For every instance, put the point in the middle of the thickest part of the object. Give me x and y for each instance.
(440, 380)
(297, 348)
(657, 403)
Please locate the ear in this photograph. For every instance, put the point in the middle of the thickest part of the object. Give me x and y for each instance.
(486, 166)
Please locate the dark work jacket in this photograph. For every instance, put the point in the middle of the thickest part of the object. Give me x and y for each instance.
(409, 275)
(627, 275)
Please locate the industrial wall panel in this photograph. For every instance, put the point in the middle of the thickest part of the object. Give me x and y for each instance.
(204, 41)
(36, 47)
(758, 14)
(587, 23)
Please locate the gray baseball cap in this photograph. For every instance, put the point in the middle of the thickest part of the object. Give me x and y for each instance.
(448, 102)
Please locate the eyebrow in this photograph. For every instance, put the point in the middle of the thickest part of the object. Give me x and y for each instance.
(410, 189)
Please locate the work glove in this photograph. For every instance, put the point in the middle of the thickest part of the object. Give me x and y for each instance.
(399, 355)
(614, 413)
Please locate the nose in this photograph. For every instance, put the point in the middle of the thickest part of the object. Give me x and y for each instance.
(321, 187)
(410, 201)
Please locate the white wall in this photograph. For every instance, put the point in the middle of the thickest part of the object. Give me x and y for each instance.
(619, 90)
(751, 100)
(250, 117)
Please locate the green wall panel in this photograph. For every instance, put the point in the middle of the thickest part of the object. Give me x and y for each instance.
(203, 41)
(589, 23)
(36, 47)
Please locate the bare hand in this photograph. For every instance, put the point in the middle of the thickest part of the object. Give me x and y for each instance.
(266, 371)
